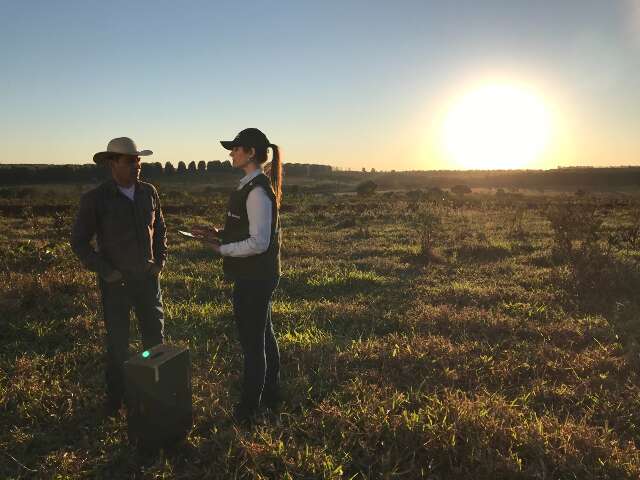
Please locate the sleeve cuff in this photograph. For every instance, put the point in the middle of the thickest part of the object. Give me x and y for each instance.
(224, 250)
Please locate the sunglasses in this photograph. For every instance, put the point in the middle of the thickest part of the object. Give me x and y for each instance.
(128, 159)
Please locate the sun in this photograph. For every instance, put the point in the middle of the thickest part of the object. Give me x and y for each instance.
(496, 126)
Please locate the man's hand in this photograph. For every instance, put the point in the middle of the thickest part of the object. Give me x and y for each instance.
(113, 276)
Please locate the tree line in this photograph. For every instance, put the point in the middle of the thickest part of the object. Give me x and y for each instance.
(584, 177)
(16, 174)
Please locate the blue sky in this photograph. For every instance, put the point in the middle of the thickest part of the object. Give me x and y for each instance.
(352, 84)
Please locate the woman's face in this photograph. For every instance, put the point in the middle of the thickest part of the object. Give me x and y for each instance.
(239, 157)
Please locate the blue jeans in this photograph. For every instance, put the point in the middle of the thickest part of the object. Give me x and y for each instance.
(252, 312)
(140, 290)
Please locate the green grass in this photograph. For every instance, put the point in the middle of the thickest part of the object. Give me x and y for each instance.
(501, 361)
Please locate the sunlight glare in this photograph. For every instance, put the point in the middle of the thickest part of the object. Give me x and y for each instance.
(498, 126)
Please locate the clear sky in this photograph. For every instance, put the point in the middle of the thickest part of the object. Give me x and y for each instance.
(347, 83)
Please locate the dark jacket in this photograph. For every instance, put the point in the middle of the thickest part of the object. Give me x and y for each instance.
(129, 235)
(265, 265)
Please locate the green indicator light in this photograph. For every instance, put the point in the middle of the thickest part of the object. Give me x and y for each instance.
(145, 354)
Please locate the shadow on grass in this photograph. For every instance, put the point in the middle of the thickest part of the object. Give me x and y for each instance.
(481, 253)
(349, 283)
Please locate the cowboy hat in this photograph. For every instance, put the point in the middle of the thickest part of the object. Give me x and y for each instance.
(120, 146)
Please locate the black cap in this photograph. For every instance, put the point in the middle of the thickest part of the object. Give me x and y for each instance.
(249, 137)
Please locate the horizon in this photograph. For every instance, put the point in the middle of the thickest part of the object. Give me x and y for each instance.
(418, 86)
(352, 170)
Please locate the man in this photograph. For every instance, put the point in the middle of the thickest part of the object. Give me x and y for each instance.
(124, 215)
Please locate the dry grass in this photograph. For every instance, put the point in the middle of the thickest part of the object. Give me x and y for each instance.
(502, 359)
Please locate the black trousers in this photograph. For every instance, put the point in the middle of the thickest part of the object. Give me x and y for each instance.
(252, 312)
(140, 290)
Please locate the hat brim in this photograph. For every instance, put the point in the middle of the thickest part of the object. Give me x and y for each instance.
(101, 157)
(229, 144)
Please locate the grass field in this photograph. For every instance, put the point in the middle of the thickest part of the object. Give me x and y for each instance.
(421, 337)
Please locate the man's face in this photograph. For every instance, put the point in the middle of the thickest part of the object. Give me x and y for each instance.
(125, 169)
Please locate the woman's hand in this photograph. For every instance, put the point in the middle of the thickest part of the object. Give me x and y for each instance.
(209, 235)
(205, 232)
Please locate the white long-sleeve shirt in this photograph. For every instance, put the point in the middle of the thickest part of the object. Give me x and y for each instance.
(259, 213)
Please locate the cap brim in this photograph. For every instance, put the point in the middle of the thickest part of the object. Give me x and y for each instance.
(101, 157)
(229, 144)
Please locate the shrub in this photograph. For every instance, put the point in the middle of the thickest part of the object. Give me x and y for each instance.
(436, 194)
(574, 225)
(347, 222)
(366, 188)
(627, 237)
(593, 279)
(596, 281)
(29, 256)
(429, 230)
(415, 195)
(61, 225)
(516, 223)
(21, 192)
(460, 189)
(292, 189)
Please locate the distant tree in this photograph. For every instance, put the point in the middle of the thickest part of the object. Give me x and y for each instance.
(214, 166)
(169, 169)
(460, 189)
(373, 170)
(146, 170)
(202, 167)
(67, 171)
(226, 165)
(317, 170)
(366, 188)
(301, 169)
(364, 170)
(182, 167)
(192, 167)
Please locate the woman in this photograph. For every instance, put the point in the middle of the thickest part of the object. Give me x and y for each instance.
(250, 247)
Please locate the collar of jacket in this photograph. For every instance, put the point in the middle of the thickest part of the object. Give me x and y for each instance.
(247, 178)
(113, 186)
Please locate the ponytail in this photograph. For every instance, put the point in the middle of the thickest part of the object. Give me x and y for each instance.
(276, 173)
(272, 169)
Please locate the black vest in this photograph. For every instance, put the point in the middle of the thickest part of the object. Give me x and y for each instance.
(236, 228)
